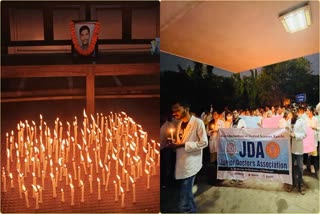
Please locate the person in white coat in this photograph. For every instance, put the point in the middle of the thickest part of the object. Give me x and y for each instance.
(191, 139)
(298, 133)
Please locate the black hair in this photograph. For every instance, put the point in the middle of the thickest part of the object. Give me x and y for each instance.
(84, 27)
(182, 102)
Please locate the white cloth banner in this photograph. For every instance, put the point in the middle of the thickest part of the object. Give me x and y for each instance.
(260, 153)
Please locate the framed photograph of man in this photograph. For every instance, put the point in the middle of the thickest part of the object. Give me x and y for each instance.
(84, 35)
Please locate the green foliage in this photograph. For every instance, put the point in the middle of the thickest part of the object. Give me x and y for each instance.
(274, 83)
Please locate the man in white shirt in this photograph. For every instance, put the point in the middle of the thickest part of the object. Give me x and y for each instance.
(237, 121)
(298, 134)
(190, 140)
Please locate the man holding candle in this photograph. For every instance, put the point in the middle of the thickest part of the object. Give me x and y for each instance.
(190, 140)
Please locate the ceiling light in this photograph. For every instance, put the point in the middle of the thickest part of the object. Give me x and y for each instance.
(297, 19)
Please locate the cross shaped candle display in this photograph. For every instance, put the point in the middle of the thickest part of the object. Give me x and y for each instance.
(111, 148)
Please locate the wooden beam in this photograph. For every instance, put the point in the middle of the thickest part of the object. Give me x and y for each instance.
(90, 95)
(127, 69)
(143, 89)
(79, 70)
(128, 96)
(116, 96)
(25, 99)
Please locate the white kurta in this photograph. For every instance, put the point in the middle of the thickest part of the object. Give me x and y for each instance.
(189, 157)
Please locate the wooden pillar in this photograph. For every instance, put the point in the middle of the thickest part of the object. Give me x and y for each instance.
(90, 92)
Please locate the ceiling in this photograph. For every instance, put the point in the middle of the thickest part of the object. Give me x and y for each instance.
(235, 36)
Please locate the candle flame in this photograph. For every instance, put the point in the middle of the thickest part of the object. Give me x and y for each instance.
(39, 187)
(84, 113)
(40, 117)
(10, 175)
(120, 162)
(114, 182)
(71, 186)
(121, 189)
(100, 163)
(145, 150)
(81, 183)
(61, 189)
(135, 159)
(68, 123)
(114, 157)
(118, 177)
(51, 162)
(132, 147)
(35, 188)
(23, 187)
(98, 180)
(107, 169)
(131, 179)
(146, 171)
(70, 176)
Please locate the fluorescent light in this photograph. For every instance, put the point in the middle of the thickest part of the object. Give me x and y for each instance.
(297, 19)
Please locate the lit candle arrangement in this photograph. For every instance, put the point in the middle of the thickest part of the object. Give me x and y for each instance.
(124, 144)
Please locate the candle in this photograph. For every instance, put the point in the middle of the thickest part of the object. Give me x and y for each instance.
(43, 179)
(7, 140)
(8, 160)
(62, 195)
(79, 174)
(99, 189)
(122, 197)
(19, 184)
(127, 180)
(34, 182)
(91, 165)
(148, 179)
(4, 181)
(36, 195)
(57, 175)
(74, 169)
(108, 176)
(70, 177)
(66, 174)
(119, 181)
(82, 191)
(40, 190)
(90, 180)
(11, 180)
(158, 153)
(54, 194)
(26, 196)
(103, 173)
(133, 190)
(115, 191)
(72, 194)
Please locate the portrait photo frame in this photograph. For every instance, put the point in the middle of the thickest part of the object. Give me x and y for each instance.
(84, 36)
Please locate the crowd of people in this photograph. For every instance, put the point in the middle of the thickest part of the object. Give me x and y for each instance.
(189, 155)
